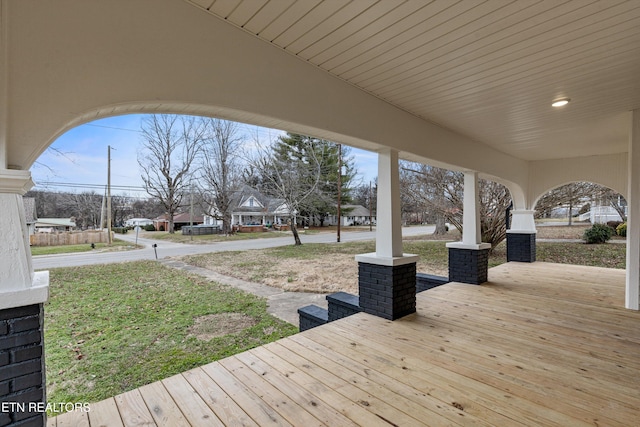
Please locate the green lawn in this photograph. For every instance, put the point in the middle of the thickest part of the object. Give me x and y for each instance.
(113, 328)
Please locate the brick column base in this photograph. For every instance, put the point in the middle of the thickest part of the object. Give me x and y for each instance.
(22, 378)
(468, 265)
(521, 247)
(387, 291)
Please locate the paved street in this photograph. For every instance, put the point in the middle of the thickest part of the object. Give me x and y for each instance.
(167, 249)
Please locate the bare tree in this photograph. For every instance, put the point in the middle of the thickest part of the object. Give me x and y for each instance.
(443, 192)
(171, 144)
(221, 170)
(571, 195)
(434, 190)
(292, 175)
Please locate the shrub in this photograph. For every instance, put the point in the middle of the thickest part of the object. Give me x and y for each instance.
(598, 233)
(119, 230)
(149, 227)
(621, 230)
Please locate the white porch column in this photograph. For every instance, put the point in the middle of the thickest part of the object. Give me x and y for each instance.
(389, 231)
(22, 297)
(471, 232)
(632, 293)
(387, 277)
(19, 285)
(522, 221)
(469, 259)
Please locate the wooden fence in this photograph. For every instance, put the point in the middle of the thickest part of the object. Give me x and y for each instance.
(68, 238)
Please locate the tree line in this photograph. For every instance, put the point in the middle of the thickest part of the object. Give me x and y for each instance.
(212, 157)
(183, 158)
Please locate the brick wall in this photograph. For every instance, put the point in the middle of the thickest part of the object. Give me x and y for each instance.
(311, 316)
(468, 265)
(387, 291)
(429, 281)
(342, 304)
(521, 247)
(21, 364)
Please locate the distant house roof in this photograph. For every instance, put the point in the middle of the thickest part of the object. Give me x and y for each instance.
(30, 209)
(262, 204)
(185, 218)
(55, 222)
(354, 210)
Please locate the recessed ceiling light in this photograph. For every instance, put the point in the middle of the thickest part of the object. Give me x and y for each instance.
(560, 102)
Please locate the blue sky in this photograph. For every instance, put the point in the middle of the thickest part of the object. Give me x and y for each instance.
(84, 157)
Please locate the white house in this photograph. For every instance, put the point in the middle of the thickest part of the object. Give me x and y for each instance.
(352, 215)
(250, 207)
(133, 222)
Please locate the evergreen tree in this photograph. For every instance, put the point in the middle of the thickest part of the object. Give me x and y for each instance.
(325, 198)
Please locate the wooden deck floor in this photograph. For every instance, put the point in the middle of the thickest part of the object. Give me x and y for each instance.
(540, 344)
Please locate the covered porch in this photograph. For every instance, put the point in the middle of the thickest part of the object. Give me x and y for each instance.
(470, 86)
(538, 344)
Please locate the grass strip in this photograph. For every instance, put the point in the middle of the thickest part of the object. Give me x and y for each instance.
(113, 328)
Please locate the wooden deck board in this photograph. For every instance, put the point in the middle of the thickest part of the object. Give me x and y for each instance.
(539, 344)
(105, 414)
(133, 411)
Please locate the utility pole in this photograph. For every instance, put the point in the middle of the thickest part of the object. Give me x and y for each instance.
(109, 239)
(339, 187)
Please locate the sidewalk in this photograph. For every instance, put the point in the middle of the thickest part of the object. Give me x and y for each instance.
(283, 305)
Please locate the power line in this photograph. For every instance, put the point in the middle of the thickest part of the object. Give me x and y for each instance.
(79, 185)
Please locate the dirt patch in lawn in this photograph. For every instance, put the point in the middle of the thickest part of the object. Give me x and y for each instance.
(212, 326)
(332, 273)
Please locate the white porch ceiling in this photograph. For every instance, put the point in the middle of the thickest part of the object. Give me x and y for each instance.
(485, 69)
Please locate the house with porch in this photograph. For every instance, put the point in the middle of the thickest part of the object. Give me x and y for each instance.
(251, 207)
(533, 95)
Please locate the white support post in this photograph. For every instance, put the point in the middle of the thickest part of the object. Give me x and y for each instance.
(522, 222)
(471, 232)
(389, 215)
(632, 293)
(387, 278)
(19, 285)
(389, 232)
